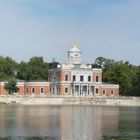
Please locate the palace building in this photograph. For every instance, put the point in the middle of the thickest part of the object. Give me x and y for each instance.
(70, 78)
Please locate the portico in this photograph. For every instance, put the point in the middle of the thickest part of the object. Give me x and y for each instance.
(85, 89)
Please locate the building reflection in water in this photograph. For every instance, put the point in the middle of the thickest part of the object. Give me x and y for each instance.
(62, 122)
(29, 121)
(87, 122)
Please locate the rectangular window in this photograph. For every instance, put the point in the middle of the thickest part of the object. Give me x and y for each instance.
(89, 78)
(66, 77)
(81, 78)
(112, 92)
(42, 90)
(97, 78)
(33, 90)
(66, 90)
(104, 92)
(74, 77)
(96, 91)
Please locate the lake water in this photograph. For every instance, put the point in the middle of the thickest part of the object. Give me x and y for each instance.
(69, 123)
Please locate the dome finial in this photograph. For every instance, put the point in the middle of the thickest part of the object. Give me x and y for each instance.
(74, 45)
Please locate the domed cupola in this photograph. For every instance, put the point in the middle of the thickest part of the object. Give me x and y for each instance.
(74, 54)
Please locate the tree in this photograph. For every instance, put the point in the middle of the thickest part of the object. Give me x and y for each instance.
(119, 72)
(8, 68)
(35, 69)
(11, 86)
(23, 71)
(135, 91)
(103, 63)
(122, 74)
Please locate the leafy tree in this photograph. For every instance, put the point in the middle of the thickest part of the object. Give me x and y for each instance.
(38, 69)
(135, 91)
(11, 86)
(23, 71)
(103, 63)
(99, 62)
(8, 68)
(35, 69)
(120, 72)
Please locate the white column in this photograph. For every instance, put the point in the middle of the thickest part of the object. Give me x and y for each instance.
(90, 90)
(55, 90)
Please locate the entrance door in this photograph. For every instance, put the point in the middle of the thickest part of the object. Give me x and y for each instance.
(85, 92)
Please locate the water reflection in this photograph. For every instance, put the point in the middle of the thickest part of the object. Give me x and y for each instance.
(87, 123)
(68, 123)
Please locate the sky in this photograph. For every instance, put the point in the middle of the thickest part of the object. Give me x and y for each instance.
(47, 28)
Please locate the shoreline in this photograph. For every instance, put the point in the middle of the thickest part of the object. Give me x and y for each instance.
(70, 100)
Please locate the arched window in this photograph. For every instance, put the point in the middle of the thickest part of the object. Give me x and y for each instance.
(41, 90)
(33, 90)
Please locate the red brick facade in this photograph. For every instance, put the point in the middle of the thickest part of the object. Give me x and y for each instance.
(26, 88)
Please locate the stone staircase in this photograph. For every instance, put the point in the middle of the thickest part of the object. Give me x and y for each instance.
(25, 100)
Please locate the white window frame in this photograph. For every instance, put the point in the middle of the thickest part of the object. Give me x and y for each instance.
(66, 77)
(112, 93)
(88, 78)
(41, 91)
(65, 90)
(96, 78)
(104, 94)
(32, 90)
(95, 91)
(81, 77)
(73, 78)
